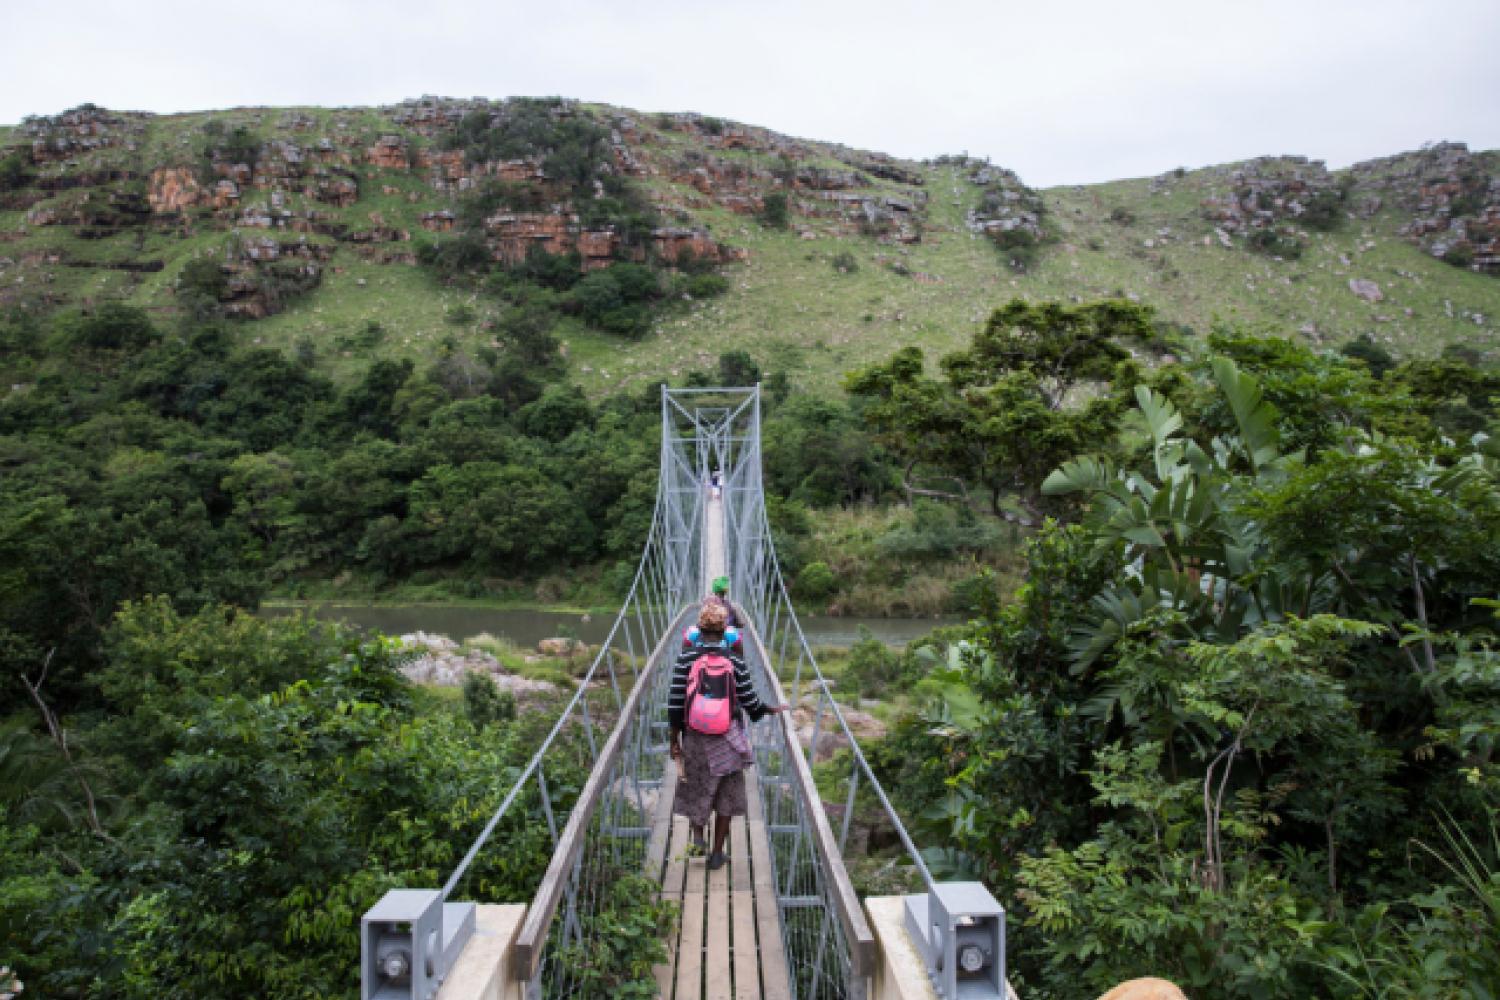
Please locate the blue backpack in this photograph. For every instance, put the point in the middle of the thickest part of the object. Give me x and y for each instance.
(692, 637)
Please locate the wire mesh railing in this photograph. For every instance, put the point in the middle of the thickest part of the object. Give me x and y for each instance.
(564, 945)
(616, 722)
(411, 936)
(757, 580)
(828, 945)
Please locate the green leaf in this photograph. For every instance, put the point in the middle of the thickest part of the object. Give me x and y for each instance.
(1255, 417)
(1080, 475)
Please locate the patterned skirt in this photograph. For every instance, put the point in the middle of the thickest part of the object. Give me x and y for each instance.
(701, 791)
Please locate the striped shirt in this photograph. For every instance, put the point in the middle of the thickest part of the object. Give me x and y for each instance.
(744, 691)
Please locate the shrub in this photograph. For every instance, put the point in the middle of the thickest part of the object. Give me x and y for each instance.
(114, 327)
(874, 669)
(939, 531)
(816, 582)
(1324, 211)
(706, 286)
(1275, 242)
(1459, 255)
(15, 171)
(738, 368)
(1120, 215)
(844, 262)
(1364, 348)
(202, 279)
(552, 270)
(459, 254)
(775, 211)
(688, 262)
(1019, 247)
(561, 410)
(615, 299)
(485, 703)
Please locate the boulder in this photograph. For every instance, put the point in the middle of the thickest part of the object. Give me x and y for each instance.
(441, 662)
(831, 738)
(172, 189)
(389, 152)
(562, 647)
(1366, 289)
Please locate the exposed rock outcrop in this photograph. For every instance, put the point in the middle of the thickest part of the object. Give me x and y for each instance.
(515, 235)
(1453, 196)
(442, 662)
(173, 189)
(390, 152)
(83, 130)
(1268, 191)
(1006, 205)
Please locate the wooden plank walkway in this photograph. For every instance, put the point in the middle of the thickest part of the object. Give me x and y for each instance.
(728, 941)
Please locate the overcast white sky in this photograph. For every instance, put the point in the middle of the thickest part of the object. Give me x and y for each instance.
(1063, 92)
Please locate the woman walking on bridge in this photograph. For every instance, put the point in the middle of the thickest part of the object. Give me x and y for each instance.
(710, 688)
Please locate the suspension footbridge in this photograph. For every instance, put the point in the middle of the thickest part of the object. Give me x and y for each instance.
(781, 919)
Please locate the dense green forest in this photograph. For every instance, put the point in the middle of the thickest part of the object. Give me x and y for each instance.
(1237, 727)
(194, 801)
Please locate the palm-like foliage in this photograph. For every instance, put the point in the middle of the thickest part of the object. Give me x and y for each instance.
(1189, 551)
(37, 786)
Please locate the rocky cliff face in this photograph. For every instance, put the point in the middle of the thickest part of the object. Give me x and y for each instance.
(360, 182)
(1267, 191)
(1452, 196)
(278, 197)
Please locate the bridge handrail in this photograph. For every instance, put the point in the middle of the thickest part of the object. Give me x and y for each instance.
(650, 597)
(823, 685)
(846, 902)
(527, 950)
(605, 657)
(771, 604)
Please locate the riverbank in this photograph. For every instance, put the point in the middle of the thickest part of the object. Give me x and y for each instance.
(525, 627)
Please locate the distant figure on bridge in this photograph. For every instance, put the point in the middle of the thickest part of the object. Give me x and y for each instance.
(716, 482)
(709, 741)
(720, 596)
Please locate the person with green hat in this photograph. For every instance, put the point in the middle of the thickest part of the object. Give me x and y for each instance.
(720, 596)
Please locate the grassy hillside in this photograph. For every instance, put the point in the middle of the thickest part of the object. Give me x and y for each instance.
(830, 291)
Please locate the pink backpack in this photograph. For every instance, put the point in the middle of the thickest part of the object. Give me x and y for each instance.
(710, 694)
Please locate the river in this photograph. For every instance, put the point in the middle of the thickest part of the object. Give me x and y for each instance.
(526, 628)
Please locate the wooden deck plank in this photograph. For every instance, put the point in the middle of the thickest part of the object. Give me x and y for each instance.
(775, 983)
(739, 855)
(690, 945)
(762, 875)
(671, 889)
(717, 975)
(746, 954)
(661, 822)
